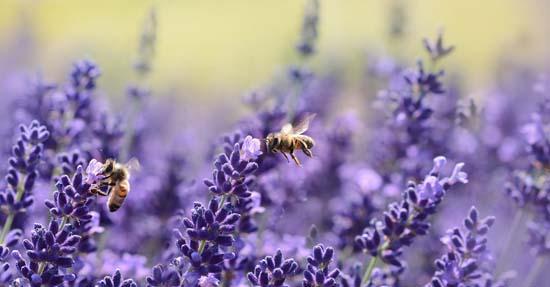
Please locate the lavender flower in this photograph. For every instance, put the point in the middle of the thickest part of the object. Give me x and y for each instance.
(209, 281)
(147, 43)
(22, 173)
(436, 49)
(309, 31)
(48, 251)
(72, 199)
(209, 230)
(273, 271)
(407, 219)
(539, 237)
(351, 220)
(424, 83)
(108, 134)
(250, 149)
(84, 75)
(73, 203)
(417, 127)
(462, 265)
(164, 276)
(116, 281)
(69, 162)
(353, 278)
(94, 172)
(12, 239)
(258, 205)
(530, 187)
(37, 105)
(537, 136)
(317, 272)
(230, 174)
(214, 224)
(233, 177)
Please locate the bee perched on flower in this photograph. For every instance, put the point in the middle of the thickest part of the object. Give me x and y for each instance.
(111, 179)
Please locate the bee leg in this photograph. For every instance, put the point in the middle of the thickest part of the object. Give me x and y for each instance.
(307, 152)
(295, 158)
(98, 192)
(109, 184)
(305, 149)
(284, 154)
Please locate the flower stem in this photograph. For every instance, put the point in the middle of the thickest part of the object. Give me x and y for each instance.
(201, 246)
(368, 272)
(534, 272)
(41, 267)
(7, 227)
(506, 247)
(63, 222)
(129, 133)
(9, 220)
(224, 197)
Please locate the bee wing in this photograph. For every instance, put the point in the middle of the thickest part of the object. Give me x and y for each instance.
(286, 129)
(302, 126)
(133, 165)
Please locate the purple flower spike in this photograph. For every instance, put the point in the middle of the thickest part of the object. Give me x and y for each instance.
(48, 250)
(209, 281)
(436, 49)
(461, 266)
(407, 219)
(273, 271)
(318, 273)
(72, 199)
(22, 172)
(84, 75)
(208, 229)
(116, 281)
(164, 276)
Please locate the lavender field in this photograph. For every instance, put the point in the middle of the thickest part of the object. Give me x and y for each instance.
(403, 176)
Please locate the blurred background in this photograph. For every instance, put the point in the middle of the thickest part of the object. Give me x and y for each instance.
(215, 65)
(221, 49)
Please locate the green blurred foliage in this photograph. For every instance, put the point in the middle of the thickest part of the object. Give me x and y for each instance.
(226, 47)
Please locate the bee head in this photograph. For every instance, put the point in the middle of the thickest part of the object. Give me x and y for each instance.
(109, 166)
(271, 142)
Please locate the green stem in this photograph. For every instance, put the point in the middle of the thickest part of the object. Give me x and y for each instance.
(41, 267)
(201, 246)
(505, 250)
(7, 227)
(224, 197)
(368, 271)
(63, 222)
(129, 132)
(101, 245)
(534, 272)
(261, 228)
(11, 216)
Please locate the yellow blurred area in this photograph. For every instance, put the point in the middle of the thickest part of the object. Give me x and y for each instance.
(215, 47)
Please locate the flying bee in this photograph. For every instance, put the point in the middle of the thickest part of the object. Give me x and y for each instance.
(291, 138)
(115, 182)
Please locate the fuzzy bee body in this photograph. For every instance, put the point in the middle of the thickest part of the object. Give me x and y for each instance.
(118, 194)
(116, 182)
(291, 138)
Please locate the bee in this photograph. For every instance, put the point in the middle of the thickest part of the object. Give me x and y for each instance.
(291, 138)
(115, 182)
